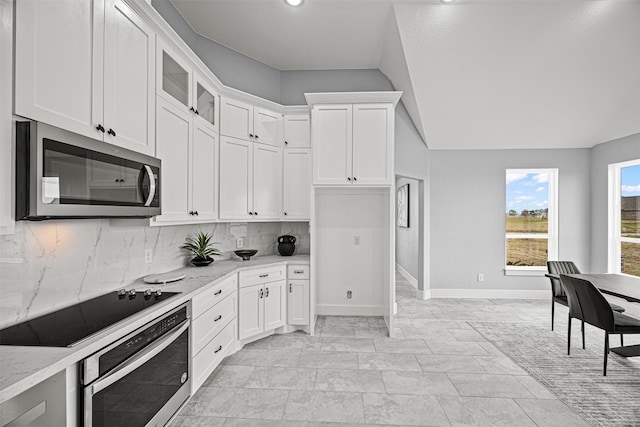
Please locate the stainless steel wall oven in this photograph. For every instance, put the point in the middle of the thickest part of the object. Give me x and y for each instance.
(141, 379)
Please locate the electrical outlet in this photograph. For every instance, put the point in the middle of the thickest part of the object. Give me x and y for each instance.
(239, 243)
(349, 294)
(356, 240)
(148, 256)
(480, 277)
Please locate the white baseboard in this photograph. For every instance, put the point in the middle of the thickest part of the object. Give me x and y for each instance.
(349, 310)
(489, 293)
(404, 273)
(426, 294)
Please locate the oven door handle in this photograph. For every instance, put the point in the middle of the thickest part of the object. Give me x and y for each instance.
(139, 359)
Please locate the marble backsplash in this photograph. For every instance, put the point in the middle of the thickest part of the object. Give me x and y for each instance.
(52, 264)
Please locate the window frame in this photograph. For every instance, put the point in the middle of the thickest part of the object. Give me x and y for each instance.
(614, 248)
(552, 224)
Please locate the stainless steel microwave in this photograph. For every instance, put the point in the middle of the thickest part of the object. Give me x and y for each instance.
(60, 174)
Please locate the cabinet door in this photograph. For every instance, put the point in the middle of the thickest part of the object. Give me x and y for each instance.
(59, 63)
(173, 78)
(297, 131)
(297, 184)
(275, 304)
(206, 103)
(235, 178)
(236, 119)
(129, 92)
(173, 142)
(267, 182)
(332, 140)
(267, 127)
(204, 176)
(298, 302)
(251, 311)
(372, 143)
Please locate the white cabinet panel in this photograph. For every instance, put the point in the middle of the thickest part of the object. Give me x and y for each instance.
(297, 184)
(59, 63)
(236, 182)
(267, 127)
(251, 311)
(206, 102)
(236, 119)
(207, 299)
(173, 142)
(128, 79)
(262, 275)
(298, 302)
(267, 182)
(298, 272)
(211, 355)
(297, 131)
(204, 185)
(208, 325)
(332, 144)
(274, 305)
(372, 143)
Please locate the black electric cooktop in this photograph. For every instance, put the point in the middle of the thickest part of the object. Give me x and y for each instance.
(68, 326)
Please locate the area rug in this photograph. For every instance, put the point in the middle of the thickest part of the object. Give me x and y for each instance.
(577, 379)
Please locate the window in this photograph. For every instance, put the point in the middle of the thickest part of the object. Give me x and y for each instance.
(624, 218)
(531, 224)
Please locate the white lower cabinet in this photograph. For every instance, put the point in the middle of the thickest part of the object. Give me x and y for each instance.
(213, 328)
(298, 301)
(262, 306)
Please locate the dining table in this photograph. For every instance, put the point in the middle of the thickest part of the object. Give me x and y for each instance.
(617, 285)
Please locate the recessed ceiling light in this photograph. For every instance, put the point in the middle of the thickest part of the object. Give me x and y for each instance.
(293, 2)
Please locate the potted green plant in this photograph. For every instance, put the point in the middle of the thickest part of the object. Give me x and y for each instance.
(201, 247)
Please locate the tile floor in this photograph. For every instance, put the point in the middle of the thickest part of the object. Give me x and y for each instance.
(438, 371)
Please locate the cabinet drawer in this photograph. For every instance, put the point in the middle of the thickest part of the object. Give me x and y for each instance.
(298, 272)
(206, 361)
(213, 320)
(262, 275)
(207, 299)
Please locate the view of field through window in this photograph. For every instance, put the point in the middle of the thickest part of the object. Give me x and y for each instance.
(630, 220)
(527, 219)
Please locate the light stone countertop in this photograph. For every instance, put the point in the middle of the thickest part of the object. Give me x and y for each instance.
(22, 367)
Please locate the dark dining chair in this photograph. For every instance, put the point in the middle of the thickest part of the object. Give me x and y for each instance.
(557, 293)
(588, 304)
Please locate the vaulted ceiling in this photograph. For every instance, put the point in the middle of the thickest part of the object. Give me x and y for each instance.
(476, 74)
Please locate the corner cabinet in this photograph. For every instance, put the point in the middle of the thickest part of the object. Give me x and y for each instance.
(261, 301)
(102, 83)
(250, 180)
(189, 153)
(296, 197)
(353, 144)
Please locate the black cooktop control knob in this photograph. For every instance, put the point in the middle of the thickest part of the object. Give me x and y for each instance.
(158, 293)
(122, 293)
(132, 294)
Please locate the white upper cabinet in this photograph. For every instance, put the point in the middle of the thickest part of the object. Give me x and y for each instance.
(236, 119)
(129, 68)
(188, 150)
(332, 144)
(372, 144)
(178, 83)
(297, 184)
(86, 67)
(246, 121)
(353, 144)
(297, 131)
(250, 180)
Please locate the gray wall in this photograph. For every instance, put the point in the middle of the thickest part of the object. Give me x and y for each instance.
(619, 150)
(467, 214)
(407, 239)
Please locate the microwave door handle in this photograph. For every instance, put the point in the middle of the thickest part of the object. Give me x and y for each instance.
(138, 360)
(152, 186)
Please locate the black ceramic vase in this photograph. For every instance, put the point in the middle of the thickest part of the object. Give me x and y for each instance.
(286, 245)
(201, 262)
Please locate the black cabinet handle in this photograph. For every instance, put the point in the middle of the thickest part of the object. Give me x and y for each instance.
(197, 112)
(263, 275)
(196, 213)
(251, 135)
(100, 128)
(117, 180)
(261, 293)
(286, 143)
(290, 287)
(218, 292)
(250, 213)
(355, 179)
(348, 179)
(255, 213)
(285, 213)
(190, 212)
(111, 132)
(218, 350)
(193, 110)
(256, 136)
(217, 318)
(266, 293)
